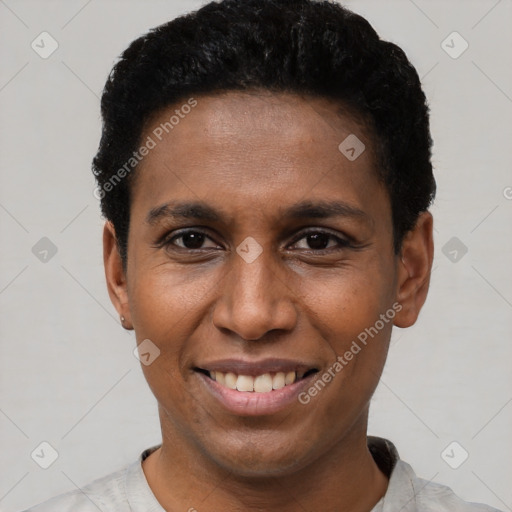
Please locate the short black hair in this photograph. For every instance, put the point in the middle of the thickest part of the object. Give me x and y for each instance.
(317, 48)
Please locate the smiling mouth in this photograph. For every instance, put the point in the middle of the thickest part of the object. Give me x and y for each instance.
(264, 383)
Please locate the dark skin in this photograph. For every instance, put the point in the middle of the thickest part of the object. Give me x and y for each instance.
(319, 282)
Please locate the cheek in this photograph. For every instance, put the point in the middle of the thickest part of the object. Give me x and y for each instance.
(347, 310)
(359, 346)
(162, 309)
(348, 302)
(167, 307)
(164, 303)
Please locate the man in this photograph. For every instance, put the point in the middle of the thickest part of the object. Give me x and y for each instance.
(265, 174)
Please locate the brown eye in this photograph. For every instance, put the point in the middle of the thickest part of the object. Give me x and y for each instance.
(192, 240)
(319, 240)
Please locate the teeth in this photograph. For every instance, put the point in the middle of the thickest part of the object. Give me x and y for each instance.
(260, 384)
(263, 383)
(290, 378)
(229, 380)
(278, 381)
(220, 378)
(245, 383)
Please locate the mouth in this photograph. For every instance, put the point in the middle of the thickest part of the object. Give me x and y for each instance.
(253, 382)
(261, 388)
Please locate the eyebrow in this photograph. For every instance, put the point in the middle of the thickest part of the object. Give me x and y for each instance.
(303, 210)
(183, 210)
(324, 210)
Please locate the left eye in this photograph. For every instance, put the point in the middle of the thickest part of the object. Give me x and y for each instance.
(318, 241)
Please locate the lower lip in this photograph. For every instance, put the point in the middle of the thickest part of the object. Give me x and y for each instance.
(247, 403)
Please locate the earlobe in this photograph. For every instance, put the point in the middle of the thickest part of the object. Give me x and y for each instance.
(414, 268)
(115, 275)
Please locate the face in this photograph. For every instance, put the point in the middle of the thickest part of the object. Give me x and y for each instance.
(258, 254)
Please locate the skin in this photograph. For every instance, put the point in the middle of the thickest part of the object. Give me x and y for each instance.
(251, 157)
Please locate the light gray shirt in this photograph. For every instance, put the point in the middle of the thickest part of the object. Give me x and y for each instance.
(127, 490)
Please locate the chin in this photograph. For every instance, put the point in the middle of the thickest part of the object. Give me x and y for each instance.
(260, 459)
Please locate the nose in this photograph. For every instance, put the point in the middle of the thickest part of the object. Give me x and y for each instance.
(255, 299)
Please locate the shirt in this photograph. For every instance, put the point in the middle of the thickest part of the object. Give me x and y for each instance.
(127, 490)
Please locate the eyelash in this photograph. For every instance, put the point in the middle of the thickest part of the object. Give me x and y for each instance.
(168, 241)
(342, 243)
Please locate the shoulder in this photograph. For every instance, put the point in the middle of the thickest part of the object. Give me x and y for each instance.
(440, 498)
(434, 497)
(106, 494)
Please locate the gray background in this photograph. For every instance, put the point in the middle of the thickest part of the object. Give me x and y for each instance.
(67, 372)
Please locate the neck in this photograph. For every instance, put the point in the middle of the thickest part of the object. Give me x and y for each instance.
(344, 479)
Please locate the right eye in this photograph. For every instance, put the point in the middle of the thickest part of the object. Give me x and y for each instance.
(190, 239)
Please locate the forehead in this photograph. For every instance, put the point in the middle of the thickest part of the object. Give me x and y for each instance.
(236, 115)
(241, 146)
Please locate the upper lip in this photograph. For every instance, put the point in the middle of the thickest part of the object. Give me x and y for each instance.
(254, 368)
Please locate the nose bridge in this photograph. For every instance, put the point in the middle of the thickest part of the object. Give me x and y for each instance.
(252, 280)
(255, 299)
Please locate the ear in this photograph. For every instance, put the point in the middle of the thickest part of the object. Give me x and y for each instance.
(115, 275)
(414, 268)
